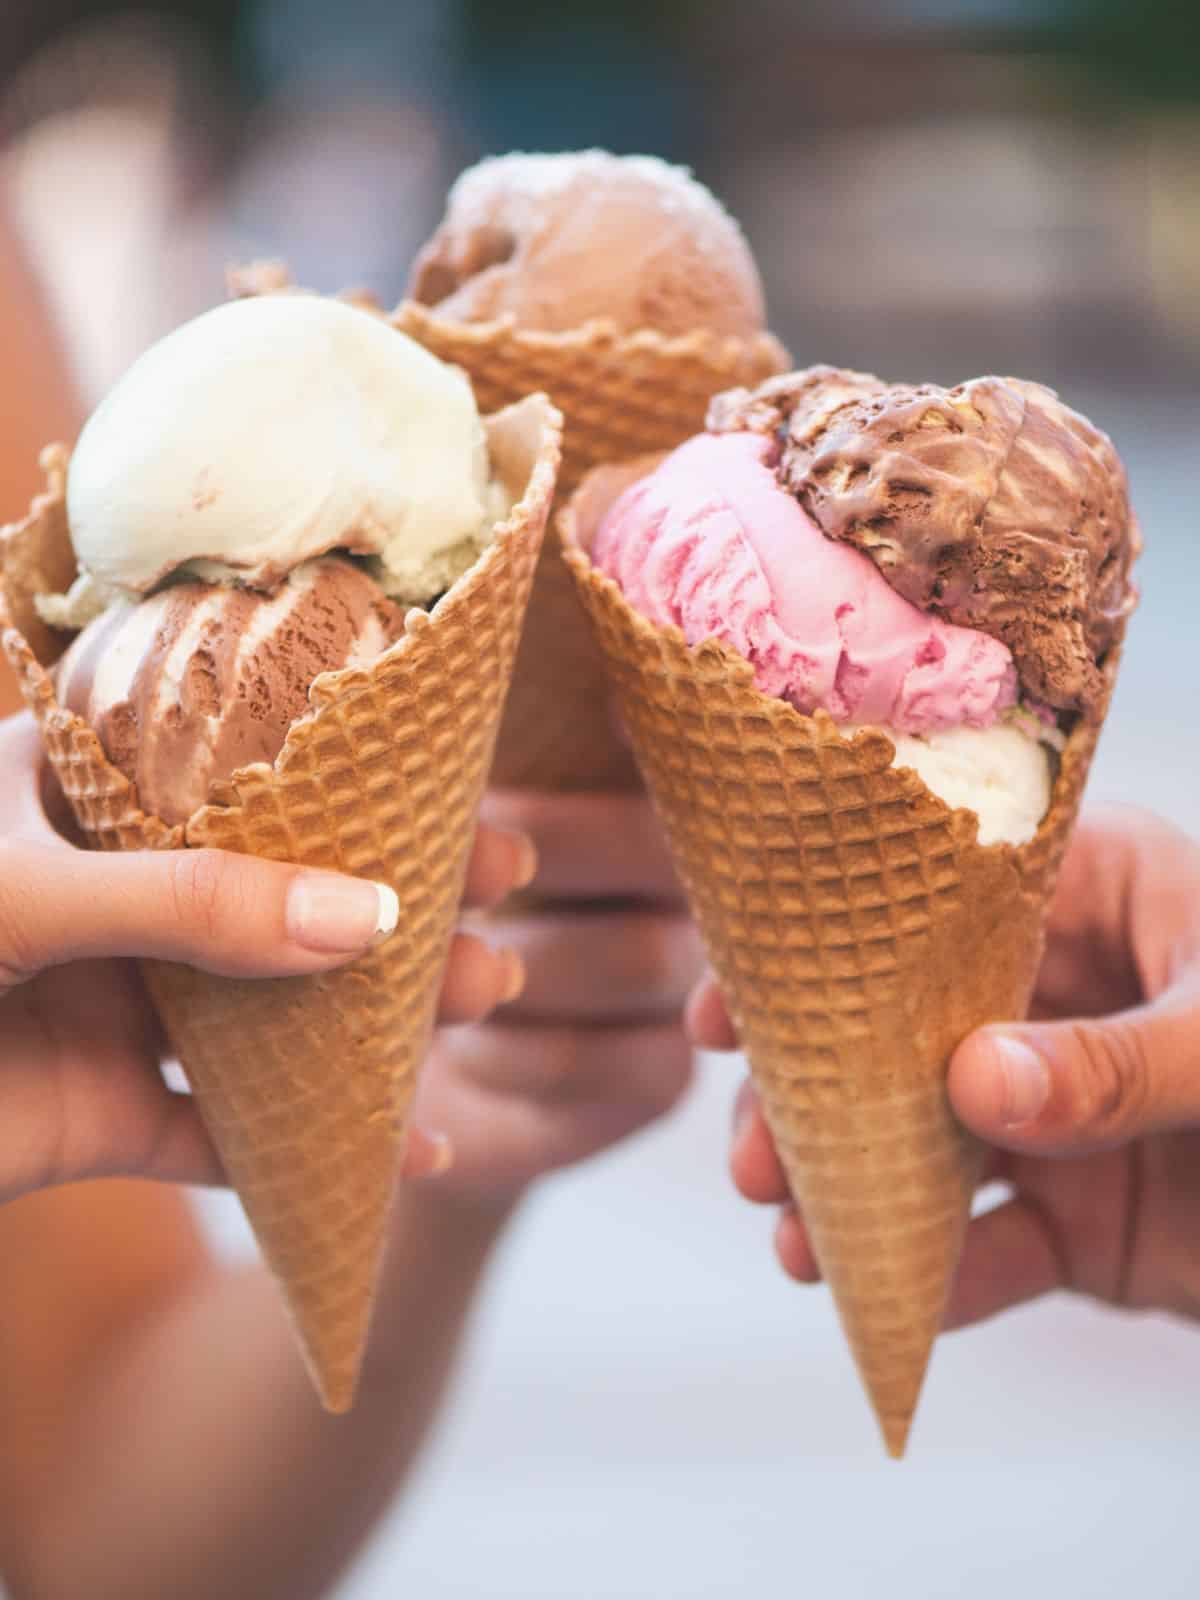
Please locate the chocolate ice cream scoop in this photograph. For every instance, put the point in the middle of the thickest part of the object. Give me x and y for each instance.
(556, 240)
(991, 504)
(198, 680)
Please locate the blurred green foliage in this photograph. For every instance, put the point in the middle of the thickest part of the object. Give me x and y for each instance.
(1149, 49)
(1145, 48)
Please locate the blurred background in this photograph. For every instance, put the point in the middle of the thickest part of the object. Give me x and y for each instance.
(933, 189)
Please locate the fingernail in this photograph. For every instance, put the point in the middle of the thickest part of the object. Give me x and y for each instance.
(427, 1155)
(336, 915)
(441, 1154)
(1025, 1082)
(743, 1110)
(514, 975)
(527, 861)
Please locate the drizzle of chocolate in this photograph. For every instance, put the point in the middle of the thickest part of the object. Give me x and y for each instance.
(991, 504)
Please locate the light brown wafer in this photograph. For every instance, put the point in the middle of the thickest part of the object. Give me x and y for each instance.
(858, 932)
(305, 1083)
(620, 395)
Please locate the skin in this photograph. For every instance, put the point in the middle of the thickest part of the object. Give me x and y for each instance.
(80, 1045)
(37, 398)
(117, 1327)
(1099, 1144)
(129, 1307)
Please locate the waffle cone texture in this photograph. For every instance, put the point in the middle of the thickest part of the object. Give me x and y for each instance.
(620, 395)
(305, 1083)
(858, 932)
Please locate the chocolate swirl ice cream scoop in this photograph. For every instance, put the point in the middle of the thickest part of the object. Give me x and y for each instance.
(201, 679)
(991, 504)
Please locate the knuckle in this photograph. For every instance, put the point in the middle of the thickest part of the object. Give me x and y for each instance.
(669, 1069)
(203, 891)
(562, 1062)
(659, 961)
(1112, 1087)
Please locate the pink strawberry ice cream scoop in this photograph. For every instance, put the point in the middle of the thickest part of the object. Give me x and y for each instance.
(713, 543)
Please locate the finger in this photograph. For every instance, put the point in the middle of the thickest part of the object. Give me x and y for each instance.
(745, 1103)
(647, 1066)
(708, 1022)
(1010, 1256)
(794, 1248)
(426, 1155)
(504, 1135)
(603, 965)
(180, 1149)
(1125, 900)
(501, 861)
(478, 979)
(146, 1130)
(30, 787)
(590, 845)
(229, 914)
(1074, 1087)
(83, 1091)
(753, 1162)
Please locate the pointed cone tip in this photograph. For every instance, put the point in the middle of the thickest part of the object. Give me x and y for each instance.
(335, 1387)
(895, 1432)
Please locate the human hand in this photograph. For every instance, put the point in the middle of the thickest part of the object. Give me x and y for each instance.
(594, 1047)
(1094, 1104)
(81, 1091)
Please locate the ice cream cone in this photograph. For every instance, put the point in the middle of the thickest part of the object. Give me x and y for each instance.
(858, 932)
(305, 1083)
(621, 394)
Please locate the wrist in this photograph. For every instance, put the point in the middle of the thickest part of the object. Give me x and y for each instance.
(459, 1218)
(440, 1245)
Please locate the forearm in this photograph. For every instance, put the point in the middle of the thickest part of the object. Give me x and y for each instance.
(38, 401)
(228, 1478)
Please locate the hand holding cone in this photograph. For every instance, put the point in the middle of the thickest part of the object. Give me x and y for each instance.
(858, 932)
(305, 1084)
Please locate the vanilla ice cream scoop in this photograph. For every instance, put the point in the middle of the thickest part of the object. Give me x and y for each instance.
(270, 431)
(1002, 773)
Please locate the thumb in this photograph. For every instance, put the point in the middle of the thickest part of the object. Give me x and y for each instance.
(229, 914)
(1072, 1087)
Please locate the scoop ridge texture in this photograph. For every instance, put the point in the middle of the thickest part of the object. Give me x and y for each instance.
(710, 543)
(271, 430)
(991, 504)
(557, 240)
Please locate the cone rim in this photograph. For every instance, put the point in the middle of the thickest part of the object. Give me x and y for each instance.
(327, 689)
(868, 737)
(724, 352)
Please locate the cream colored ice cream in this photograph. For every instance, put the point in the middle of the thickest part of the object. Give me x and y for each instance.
(557, 240)
(1001, 773)
(272, 430)
(709, 543)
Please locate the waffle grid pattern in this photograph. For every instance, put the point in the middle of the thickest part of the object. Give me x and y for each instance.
(858, 932)
(305, 1083)
(621, 395)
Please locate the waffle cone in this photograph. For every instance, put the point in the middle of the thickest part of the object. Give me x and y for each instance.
(305, 1083)
(858, 932)
(621, 394)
